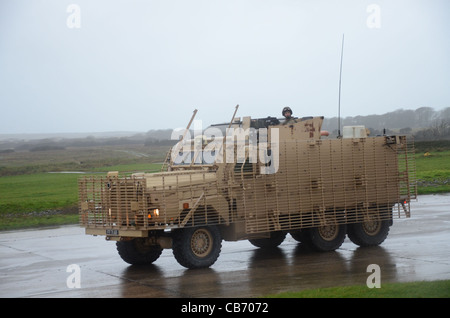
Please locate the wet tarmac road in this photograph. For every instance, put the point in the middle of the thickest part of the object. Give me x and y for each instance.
(35, 263)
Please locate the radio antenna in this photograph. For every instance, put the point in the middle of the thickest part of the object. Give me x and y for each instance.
(340, 79)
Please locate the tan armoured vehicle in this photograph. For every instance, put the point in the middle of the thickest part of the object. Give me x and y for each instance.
(257, 180)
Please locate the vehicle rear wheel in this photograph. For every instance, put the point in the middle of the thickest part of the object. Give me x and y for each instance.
(370, 233)
(138, 252)
(197, 247)
(275, 239)
(325, 238)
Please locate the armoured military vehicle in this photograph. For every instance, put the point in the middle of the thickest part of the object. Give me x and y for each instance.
(255, 180)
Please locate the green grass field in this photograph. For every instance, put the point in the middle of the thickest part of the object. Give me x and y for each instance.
(433, 171)
(37, 192)
(41, 199)
(425, 289)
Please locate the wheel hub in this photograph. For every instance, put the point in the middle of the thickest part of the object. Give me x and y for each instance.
(371, 227)
(328, 232)
(201, 243)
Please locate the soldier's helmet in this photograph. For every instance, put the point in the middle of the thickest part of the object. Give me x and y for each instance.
(286, 109)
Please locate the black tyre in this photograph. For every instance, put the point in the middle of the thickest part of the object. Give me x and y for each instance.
(299, 235)
(370, 233)
(137, 252)
(324, 238)
(275, 239)
(197, 247)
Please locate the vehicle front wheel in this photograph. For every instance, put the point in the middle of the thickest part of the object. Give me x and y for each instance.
(138, 252)
(197, 247)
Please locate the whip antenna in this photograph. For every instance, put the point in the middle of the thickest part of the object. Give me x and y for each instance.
(340, 79)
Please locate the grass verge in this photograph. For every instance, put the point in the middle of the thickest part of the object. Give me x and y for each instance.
(24, 221)
(422, 289)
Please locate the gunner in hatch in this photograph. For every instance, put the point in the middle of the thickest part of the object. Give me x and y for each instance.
(287, 113)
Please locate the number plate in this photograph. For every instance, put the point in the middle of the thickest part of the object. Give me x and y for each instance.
(112, 232)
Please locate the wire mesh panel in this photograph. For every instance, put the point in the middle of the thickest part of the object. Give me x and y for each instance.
(112, 202)
(153, 201)
(407, 174)
(324, 182)
(316, 183)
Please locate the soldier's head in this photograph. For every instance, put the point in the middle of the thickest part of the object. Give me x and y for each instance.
(287, 112)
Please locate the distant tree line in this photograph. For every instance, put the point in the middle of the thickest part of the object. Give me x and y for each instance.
(151, 138)
(439, 130)
(424, 123)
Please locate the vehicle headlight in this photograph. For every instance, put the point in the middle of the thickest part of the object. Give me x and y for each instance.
(153, 213)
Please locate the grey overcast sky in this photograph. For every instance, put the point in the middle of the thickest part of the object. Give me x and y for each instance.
(129, 65)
